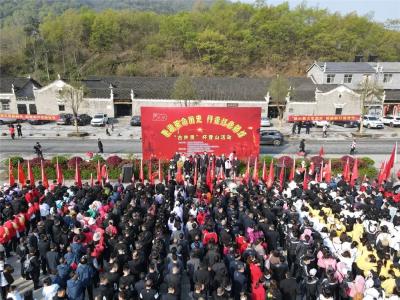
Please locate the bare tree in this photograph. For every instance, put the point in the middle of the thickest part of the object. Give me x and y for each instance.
(184, 90)
(279, 90)
(370, 93)
(73, 97)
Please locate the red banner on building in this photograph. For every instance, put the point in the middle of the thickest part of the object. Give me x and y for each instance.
(29, 117)
(191, 130)
(324, 118)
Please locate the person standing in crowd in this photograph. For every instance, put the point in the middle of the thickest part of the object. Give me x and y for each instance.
(100, 145)
(294, 128)
(299, 125)
(6, 278)
(19, 130)
(324, 131)
(228, 167)
(11, 130)
(308, 127)
(353, 147)
(302, 146)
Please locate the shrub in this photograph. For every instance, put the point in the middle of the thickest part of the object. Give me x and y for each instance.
(72, 162)
(14, 161)
(286, 160)
(317, 160)
(98, 157)
(370, 171)
(113, 161)
(368, 161)
(344, 159)
(62, 160)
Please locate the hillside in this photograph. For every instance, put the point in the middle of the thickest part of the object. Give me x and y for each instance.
(224, 39)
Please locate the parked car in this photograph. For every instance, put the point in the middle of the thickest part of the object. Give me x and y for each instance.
(136, 121)
(372, 122)
(265, 122)
(271, 137)
(390, 120)
(84, 120)
(65, 119)
(99, 120)
(347, 124)
(8, 121)
(39, 122)
(321, 123)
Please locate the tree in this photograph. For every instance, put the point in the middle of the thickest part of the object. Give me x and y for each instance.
(184, 90)
(370, 93)
(73, 97)
(279, 91)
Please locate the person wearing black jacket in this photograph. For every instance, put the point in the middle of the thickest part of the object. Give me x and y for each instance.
(44, 247)
(105, 290)
(33, 268)
(289, 288)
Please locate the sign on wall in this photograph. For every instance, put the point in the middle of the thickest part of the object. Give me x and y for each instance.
(30, 117)
(191, 130)
(324, 118)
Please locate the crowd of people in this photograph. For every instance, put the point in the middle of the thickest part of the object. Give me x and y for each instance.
(181, 240)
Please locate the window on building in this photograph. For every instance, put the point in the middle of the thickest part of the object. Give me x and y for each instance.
(5, 105)
(387, 78)
(348, 78)
(32, 109)
(61, 107)
(338, 111)
(22, 109)
(330, 78)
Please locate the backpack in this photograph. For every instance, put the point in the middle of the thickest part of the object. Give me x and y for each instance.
(28, 267)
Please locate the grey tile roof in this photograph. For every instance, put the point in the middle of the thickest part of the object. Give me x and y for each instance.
(387, 66)
(392, 95)
(19, 83)
(346, 67)
(208, 88)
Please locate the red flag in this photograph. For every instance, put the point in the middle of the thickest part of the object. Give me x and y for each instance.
(11, 179)
(264, 172)
(141, 173)
(305, 181)
(321, 151)
(312, 169)
(91, 180)
(45, 182)
(99, 172)
(247, 174)
(382, 173)
(292, 170)
(271, 174)
(169, 175)
(354, 173)
(321, 171)
(59, 173)
(30, 174)
(106, 175)
(255, 171)
(159, 171)
(104, 171)
(346, 171)
(78, 179)
(390, 163)
(195, 172)
(21, 174)
(282, 175)
(328, 172)
(150, 171)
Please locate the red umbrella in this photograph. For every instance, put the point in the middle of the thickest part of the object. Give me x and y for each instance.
(78, 179)
(21, 175)
(255, 171)
(11, 179)
(45, 182)
(30, 174)
(271, 174)
(354, 173)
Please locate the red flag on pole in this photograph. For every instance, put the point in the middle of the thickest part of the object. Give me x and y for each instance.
(141, 173)
(11, 179)
(346, 171)
(390, 163)
(311, 169)
(321, 151)
(292, 170)
(321, 171)
(282, 175)
(354, 173)
(78, 179)
(381, 173)
(328, 172)
(255, 171)
(305, 181)
(271, 174)
(45, 182)
(30, 174)
(99, 172)
(195, 172)
(59, 174)
(91, 180)
(21, 174)
(104, 171)
(264, 172)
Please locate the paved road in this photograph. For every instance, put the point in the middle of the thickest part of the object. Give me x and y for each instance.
(68, 146)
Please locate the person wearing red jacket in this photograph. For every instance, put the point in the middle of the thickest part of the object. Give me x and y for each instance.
(209, 235)
(257, 291)
(255, 272)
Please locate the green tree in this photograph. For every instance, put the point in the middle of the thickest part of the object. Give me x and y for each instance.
(184, 90)
(279, 90)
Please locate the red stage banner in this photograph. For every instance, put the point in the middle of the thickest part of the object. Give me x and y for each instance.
(29, 117)
(324, 118)
(191, 130)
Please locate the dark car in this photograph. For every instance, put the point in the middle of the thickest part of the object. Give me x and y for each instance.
(38, 122)
(84, 119)
(136, 121)
(271, 137)
(65, 119)
(346, 124)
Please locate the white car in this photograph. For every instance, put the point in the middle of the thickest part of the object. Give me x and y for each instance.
(321, 123)
(99, 120)
(372, 122)
(390, 120)
(265, 122)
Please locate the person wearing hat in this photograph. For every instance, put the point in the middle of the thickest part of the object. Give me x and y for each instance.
(311, 285)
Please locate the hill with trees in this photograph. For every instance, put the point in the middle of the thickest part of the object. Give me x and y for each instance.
(224, 39)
